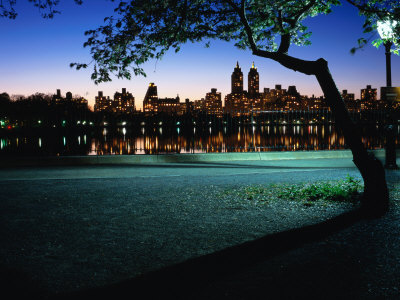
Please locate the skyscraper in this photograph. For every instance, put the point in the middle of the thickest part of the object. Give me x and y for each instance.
(102, 103)
(369, 94)
(123, 102)
(253, 82)
(213, 103)
(237, 80)
(150, 100)
(369, 97)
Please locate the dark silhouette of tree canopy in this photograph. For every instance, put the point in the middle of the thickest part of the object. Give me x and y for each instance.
(146, 29)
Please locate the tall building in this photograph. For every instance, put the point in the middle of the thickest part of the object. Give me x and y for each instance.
(349, 101)
(186, 107)
(347, 96)
(369, 94)
(369, 97)
(198, 105)
(169, 105)
(153, 104)
(150, 103)
(78, 102)
(292, 91)
(123, 102)
(292, 99)
(102, 103)
(213, 103)
(253, 82)
(240, 102)
(237, 80)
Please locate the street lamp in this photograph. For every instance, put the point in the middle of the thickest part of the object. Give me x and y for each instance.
(385, 30)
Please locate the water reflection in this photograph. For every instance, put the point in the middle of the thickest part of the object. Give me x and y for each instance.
(184, 140)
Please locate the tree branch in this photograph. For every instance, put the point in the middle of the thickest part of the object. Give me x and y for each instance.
(242, 15)
(290, 62)
(285, 43)
(296, 17)
(298, 65)
(380, 13)
(292, 21)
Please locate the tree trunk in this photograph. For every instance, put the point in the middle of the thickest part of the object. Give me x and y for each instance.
(375, 200)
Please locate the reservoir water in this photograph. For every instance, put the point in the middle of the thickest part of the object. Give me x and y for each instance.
(160, 140)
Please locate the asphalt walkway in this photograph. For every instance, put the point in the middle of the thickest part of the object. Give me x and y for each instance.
(68, 228)
(245, 168)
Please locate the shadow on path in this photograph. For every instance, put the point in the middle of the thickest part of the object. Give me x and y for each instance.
(184, 279)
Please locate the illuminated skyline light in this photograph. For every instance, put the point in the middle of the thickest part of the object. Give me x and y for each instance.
(37, 53)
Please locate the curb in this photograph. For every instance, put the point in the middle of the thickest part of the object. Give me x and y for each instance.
(177, 158)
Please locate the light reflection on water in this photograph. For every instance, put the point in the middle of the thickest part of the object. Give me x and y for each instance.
(183, 140)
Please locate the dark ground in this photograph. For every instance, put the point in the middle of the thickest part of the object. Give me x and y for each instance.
(152, 233)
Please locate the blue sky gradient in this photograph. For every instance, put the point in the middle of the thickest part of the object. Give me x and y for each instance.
(36, 54)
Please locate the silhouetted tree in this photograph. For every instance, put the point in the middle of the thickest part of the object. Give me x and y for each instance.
(145, 29)
(142, 30)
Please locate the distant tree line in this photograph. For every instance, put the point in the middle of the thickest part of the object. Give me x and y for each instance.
(39, 110)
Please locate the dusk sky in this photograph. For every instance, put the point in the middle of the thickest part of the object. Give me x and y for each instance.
(36, 54)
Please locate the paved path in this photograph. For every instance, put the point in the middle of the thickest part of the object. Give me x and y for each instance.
(164, 170)
(81, 226)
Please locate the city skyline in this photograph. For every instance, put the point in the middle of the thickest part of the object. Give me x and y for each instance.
(238, 84)
(37, 53)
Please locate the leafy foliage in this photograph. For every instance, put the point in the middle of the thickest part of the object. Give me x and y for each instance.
(147, 29)
(374, 11)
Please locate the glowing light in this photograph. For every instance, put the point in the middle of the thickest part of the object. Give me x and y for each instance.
(385, 29)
